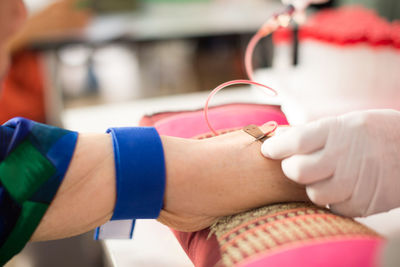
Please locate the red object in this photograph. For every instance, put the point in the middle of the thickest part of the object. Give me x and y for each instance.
(350, 252)
(346, 26)
(201, 250)
(396, 34)
(22, 90)
(282, 36)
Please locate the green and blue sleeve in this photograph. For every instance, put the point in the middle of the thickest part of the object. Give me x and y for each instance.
(33, 161)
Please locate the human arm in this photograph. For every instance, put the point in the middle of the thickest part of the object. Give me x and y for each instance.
(350, 162)
(205, 180)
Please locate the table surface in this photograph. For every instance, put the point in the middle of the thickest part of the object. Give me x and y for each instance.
(153, 244)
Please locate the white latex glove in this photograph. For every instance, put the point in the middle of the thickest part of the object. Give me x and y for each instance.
(351, 162)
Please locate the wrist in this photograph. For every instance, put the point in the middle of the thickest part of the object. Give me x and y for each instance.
(183, 166)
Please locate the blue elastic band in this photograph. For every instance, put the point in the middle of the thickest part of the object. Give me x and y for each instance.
(140, 171)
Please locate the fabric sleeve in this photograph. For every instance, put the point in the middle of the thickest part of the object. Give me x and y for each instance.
(33, 161)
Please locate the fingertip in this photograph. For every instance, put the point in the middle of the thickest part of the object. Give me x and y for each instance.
(265, 149)
(278, 146)
(315, 196)
(295, 169)
(268, 149)
(289, 171)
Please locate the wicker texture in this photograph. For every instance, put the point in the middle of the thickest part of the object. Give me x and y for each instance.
(274, 227)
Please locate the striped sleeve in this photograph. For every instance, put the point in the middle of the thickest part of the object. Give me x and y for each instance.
(33, 161)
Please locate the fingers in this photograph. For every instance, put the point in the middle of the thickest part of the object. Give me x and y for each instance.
(310, 168)
(346, 208)
(298, 140)
(308, 158)
(328, 191)
(362, 199)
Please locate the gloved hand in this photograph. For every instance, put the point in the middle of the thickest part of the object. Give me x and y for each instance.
(351, 162)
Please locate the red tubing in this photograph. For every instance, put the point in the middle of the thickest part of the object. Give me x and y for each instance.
(264, 31)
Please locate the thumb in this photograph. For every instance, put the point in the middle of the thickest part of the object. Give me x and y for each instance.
(271, 146)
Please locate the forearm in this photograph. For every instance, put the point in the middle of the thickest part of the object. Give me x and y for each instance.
(254, 180)
(220, 176)
(225, 169)
(86, 198)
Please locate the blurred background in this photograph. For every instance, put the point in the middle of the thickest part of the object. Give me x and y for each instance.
(91, 52)
(79, 53)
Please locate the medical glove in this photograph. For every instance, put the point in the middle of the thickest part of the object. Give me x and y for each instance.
(351, 162)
